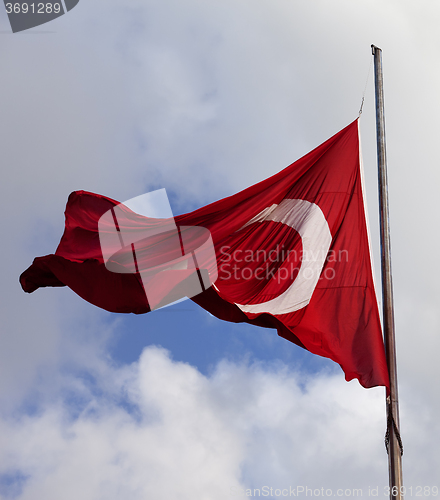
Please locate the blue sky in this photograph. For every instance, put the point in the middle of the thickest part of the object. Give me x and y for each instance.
(202, 340)
(205, 99)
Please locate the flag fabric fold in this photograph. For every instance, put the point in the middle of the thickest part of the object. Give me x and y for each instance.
(292, 254)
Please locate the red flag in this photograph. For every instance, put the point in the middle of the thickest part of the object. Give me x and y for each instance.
(292, 254)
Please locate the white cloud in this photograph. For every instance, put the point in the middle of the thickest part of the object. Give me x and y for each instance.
(181, 434)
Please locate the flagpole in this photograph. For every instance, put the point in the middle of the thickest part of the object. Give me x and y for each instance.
(393, 425)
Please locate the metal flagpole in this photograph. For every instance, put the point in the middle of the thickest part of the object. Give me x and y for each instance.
(394, 443)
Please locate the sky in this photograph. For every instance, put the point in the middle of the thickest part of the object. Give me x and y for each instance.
(205, 98)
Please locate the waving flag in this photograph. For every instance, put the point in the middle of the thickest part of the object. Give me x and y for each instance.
(292, 253)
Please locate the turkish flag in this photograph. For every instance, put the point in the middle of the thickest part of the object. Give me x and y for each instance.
(292, 254)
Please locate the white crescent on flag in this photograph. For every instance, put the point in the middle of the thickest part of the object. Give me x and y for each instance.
(309, 221)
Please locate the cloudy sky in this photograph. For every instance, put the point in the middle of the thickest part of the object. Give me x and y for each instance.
(205, 98)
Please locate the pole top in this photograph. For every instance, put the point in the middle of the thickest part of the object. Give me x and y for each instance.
(374, 48)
